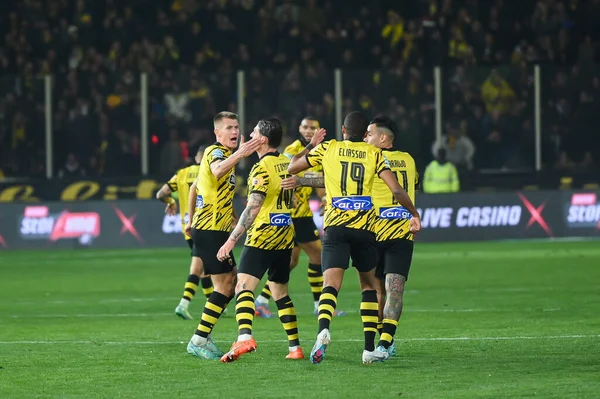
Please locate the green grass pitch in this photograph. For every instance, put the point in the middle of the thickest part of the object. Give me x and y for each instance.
(491, 320)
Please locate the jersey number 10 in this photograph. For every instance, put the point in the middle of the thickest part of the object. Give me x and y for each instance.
(285, 196)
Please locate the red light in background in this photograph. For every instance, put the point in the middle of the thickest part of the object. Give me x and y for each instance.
(154, 139)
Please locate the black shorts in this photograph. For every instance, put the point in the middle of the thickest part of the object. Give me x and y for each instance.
(190, 243)
(276, 263)
(306, 230)
(394, 256)
(341, 243)
(211, 241)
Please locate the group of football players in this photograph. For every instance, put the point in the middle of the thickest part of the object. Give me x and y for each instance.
(367, 189)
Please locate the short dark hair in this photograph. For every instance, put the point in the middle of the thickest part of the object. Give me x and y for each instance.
(224, 115)
(387, 124)
(309, 118)
(384, 121)
(272, 129)
(356, 124)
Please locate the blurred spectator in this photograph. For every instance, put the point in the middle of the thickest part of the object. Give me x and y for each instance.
(458, 148)
(171, 157)
(440, 176)
(72, 169)
(497, 94)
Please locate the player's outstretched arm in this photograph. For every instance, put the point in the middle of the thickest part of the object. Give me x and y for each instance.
(293, 182)
(221, 168)
(255, 202)
(299, 162)
(164, 195)
(402, 197)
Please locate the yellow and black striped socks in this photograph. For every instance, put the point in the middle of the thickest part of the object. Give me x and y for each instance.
(389, 330)
(207, 286)
(380, 327)
(287, 316)
(191, 286)
(212, 311)
(244, 312)
(369, 313)
(315, 279)
(265, 295)
(327, 304)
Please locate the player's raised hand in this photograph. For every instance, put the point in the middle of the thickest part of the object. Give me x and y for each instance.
(171, 209)
(318, 137)
(225, 250)
(289, 183)
(247, 148)
(415, 224)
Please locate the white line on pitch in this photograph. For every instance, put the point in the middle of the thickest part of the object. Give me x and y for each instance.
(501, 338)
(108, 315)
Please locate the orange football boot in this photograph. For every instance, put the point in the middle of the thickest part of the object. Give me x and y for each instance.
(296, 354)
(238, 349)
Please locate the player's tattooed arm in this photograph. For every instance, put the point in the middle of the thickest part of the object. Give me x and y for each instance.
(394, 287)
(164, 194)
(255, 202)
(290, 183)
(311, 181)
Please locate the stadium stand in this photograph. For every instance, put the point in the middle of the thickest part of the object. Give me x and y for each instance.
(192, 50)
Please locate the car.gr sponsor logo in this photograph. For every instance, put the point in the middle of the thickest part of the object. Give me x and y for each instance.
(355, 203)
(280, 219)
(199, 202)
(396, 212)
(583, 211)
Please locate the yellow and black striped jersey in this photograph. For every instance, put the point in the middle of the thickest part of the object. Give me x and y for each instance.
(392, 221)
(302, 208)
(214, 197)
(181, 183)
(272, 229)
(349, 168)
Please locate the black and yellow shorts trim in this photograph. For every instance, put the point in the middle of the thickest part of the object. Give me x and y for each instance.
(306, 230)
(340, 244)
(394, 256)
(206, 246)
(275, 262)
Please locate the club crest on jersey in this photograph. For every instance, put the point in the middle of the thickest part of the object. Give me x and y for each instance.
(280, 219)
(354, 203)
(394, 212)
(199, 201)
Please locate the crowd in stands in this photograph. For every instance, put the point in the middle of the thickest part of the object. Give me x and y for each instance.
(191, 50)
